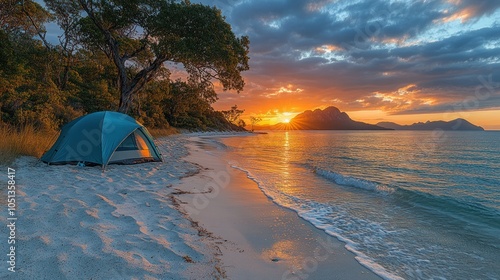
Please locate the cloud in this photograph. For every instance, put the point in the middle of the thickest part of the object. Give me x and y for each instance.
(466, 10)
(360, 54)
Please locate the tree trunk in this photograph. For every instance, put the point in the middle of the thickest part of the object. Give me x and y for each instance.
(130, 87)
(125, 101)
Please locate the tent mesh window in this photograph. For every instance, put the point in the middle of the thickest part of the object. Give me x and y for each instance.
(128, 144)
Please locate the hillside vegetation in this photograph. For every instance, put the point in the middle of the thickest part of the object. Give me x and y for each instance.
(103, 62)
(113, 55)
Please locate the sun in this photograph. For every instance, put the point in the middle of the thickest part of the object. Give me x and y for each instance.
(286, 120)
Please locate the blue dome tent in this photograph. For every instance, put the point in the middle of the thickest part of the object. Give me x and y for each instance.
(102, 138)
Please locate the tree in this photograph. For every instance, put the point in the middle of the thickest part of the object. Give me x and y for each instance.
(233, 115)
(241, 123)
(254, 120)
(184, 99)
(48, 83)
(28, 94)
(25, 16)
(66, 14)
(140, 36)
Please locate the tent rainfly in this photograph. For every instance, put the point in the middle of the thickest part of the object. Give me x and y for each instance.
(102, 138)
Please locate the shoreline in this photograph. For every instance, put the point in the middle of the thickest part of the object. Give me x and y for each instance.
(258, 239)
(191, 217)
(197, 215)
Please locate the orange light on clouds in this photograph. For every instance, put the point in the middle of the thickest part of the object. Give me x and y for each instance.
(463, 15)
(404, 98)
(320, 74)
(327, 48)
(290, 89)
(281, 102)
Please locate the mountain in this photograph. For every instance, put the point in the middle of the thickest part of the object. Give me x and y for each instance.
(458, 124)
(330, 118)
(391, 125)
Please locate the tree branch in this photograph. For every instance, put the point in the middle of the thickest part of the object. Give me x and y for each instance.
(112, 42)
(37, 28)
(135, 52)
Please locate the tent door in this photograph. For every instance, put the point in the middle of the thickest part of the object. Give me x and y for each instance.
(133, 147)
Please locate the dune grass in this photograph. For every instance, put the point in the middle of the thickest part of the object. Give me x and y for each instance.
(160, 132)
(28, 141)
(24, 141)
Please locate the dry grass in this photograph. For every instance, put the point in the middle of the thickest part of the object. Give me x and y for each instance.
(28, 141)
(25, 141)
(160, 132)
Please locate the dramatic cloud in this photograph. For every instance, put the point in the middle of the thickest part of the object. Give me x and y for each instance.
(471, 9)
(398, 56)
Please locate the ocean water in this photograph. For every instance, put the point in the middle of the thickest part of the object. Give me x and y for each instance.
(410, 205)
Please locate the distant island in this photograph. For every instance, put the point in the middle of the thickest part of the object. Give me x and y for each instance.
(457, 124)
(331, 118)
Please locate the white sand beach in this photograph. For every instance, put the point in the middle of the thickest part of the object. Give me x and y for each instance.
(191, 217)
(82, 223)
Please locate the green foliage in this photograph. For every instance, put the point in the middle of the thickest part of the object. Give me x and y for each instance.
(198, 37)
(28, 94)
(92, 83)
(189, 106)
(180, 104)
(140, 35)
(151, 104)
(47, 85)
(23, 16)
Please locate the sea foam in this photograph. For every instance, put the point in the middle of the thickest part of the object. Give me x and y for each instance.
(350, 181)
(331, 219)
